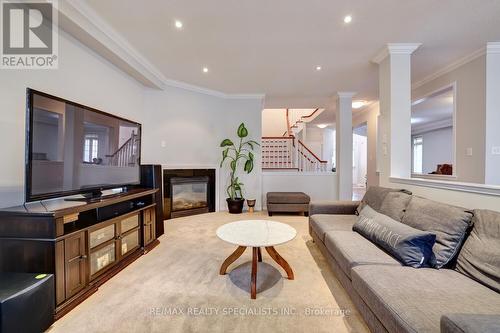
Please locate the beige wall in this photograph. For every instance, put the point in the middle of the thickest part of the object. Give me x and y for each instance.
(274, 122)
(470, 115)
(470, 85)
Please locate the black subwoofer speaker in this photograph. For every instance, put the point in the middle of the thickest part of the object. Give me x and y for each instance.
(151, 177)
(26, 302)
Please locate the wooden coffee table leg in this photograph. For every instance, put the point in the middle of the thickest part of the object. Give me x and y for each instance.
(260, 255)
(279, 259)
(232, 258)
(253, 285)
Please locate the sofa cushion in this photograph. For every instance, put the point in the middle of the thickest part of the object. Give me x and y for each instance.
(394, 205)
(375, 195)
(410, 246)
(350, 249)
(333, 207)
(480, 255)
(405, 299)
(470, 323)
(449, 223)
(322, 223)
(287, 198)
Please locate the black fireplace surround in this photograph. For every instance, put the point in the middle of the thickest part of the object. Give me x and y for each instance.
(188, 192)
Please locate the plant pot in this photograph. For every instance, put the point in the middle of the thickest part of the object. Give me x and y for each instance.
(235, 206)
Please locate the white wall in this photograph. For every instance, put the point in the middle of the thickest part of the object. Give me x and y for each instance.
(437, 148)
(492, 114)
(321, 186)
(191, 124)
(314, 140)
(328, 153)
(360, 153)
(321, 141)
(370, 117)
(82, 77)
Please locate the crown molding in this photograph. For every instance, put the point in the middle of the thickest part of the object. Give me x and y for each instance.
(395, 48)
(346, 94)
(79, 20)
(450, 67)
(83, 23)
(245, 96)
(210, 92)
(493, 47)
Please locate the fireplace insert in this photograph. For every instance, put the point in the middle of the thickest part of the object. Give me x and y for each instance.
(189, 196)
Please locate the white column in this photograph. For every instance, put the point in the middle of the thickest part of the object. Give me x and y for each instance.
(492, 162)
(395, 108)
(343, 151)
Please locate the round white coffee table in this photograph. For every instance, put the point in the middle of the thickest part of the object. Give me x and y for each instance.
(256, 234)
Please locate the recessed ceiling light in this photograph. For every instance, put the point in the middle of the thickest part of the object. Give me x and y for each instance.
(178, 24)
(348, 19)
(205, 69)
(358, 104)
(322, 125)
(318, 68)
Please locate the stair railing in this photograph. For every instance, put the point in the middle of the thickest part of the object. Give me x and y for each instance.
(287, 153)
(278, 152)
(126, 155)
(308, 161)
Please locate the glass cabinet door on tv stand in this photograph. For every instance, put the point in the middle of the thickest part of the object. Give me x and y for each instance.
(111, 241)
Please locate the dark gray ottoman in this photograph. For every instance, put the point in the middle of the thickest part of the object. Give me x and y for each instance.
(287, 202)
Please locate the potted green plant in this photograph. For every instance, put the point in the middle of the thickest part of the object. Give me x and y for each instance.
(240, 154)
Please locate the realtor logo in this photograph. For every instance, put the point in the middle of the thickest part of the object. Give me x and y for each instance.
(29, 34)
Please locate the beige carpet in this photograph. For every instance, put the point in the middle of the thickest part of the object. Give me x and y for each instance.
(177, 288)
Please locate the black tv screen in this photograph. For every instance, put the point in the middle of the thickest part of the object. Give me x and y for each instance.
(73, 149)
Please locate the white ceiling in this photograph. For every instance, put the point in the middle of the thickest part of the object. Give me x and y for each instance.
(273, 47)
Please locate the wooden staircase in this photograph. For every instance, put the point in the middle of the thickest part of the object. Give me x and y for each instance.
(286, 153)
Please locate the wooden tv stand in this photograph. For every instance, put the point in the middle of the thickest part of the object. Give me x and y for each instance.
(82, 243)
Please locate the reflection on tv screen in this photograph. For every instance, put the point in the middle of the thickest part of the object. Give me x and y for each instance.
(74, 148)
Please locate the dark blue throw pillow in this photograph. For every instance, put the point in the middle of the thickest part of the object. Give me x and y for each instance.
(410, 246)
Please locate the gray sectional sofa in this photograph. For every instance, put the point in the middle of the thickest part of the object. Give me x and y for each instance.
(462, 296)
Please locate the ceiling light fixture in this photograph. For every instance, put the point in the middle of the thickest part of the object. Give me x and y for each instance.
(205, 69)
(358, 104)
(318, 68)
(348, 19)
(322, 125)
(178, 24)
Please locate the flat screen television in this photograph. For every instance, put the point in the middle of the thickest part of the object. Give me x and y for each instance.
(74, 149)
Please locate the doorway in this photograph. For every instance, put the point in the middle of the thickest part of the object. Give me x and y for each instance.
(359, 160)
